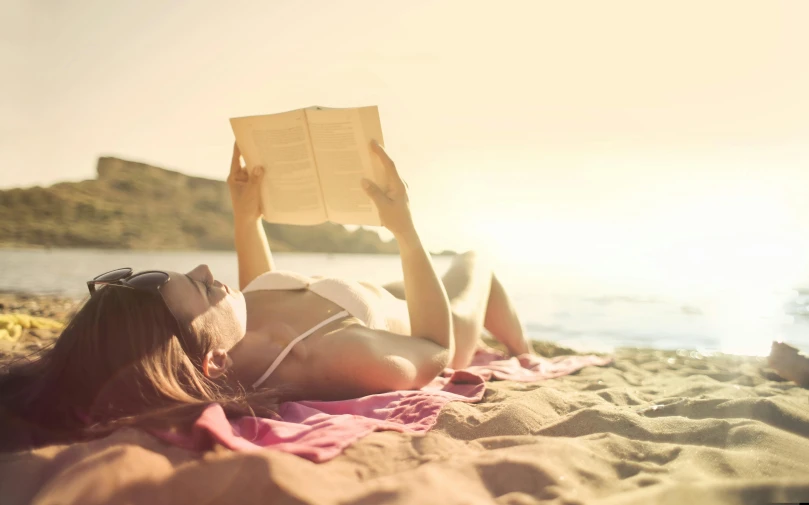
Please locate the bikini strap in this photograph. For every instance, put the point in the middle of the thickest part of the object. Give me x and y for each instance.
(289, 346)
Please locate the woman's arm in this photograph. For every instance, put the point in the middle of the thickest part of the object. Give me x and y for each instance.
(252, 247)
(358, 361)
(427, 303)
(252, 250)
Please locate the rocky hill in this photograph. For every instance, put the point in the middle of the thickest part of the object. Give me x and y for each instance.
(137, 206)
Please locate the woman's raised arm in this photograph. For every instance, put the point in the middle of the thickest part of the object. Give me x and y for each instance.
(252, 247)
(427, 303)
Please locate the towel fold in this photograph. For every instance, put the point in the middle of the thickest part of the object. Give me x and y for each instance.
(319, 431)
(530, 368)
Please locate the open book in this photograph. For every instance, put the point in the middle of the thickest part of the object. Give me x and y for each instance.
(313, 161)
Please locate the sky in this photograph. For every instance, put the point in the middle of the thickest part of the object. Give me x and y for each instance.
(645, 140)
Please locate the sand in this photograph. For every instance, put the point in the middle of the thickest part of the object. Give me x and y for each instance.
(656, 427)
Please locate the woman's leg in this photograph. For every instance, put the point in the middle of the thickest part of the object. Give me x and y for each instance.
(503, 322)
(468, 284)
(477, 300)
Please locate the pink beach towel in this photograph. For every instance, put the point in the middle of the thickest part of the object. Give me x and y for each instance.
(319, 431)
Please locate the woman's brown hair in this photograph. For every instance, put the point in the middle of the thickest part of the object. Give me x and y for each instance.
(122, 360)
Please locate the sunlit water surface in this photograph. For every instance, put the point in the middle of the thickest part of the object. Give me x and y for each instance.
(593, 312)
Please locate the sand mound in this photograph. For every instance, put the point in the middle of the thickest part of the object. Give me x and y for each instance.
(656, 427)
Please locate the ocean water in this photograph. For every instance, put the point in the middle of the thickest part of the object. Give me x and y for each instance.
(555, 304)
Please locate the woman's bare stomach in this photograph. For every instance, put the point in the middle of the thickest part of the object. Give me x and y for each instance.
(395, 310)
(291, 313)
(276, 318)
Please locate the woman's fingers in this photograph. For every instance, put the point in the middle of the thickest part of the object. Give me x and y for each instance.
(256, 175)
(373, 191)
(391, 202)
(390, 167)
(235, 162)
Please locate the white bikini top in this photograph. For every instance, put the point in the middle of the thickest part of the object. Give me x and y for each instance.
(379, 310)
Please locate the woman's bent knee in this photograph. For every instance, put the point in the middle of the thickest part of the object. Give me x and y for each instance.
(466, 332)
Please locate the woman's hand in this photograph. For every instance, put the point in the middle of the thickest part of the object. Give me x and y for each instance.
(245, 188)
(391, 202)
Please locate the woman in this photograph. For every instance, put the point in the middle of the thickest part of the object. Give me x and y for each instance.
(154, 348)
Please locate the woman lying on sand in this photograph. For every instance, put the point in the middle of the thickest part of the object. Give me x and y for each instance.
(154, 348)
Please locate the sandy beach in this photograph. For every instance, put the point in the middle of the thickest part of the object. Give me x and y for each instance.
(655, 427)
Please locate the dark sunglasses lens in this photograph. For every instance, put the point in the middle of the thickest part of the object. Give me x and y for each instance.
(149, 280)
(114, 275)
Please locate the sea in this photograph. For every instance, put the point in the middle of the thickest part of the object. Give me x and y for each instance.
(580, 312)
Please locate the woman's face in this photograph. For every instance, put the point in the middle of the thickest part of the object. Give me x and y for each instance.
(205, 302)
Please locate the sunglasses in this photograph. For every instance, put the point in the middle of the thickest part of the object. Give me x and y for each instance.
(149, 281)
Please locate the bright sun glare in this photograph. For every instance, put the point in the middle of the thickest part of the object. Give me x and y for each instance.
(737, 260)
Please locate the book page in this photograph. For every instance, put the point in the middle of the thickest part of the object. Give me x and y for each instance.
(341, 149)
(369, 117)
(280, 143)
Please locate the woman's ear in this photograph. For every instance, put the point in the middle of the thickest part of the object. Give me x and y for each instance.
(216, 363)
